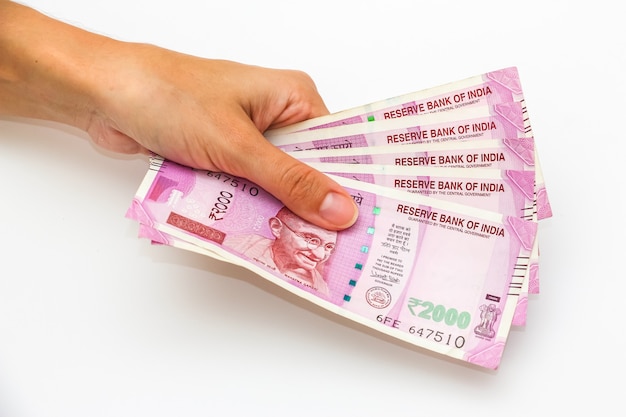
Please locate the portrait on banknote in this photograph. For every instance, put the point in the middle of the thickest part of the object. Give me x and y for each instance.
(298, 249)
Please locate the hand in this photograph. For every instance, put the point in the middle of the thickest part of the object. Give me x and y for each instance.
(209, 114)
(203, 113)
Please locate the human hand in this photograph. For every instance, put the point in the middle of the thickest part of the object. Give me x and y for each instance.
(209, 114)
(130, 97)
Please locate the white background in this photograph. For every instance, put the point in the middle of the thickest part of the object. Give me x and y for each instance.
(95, 322)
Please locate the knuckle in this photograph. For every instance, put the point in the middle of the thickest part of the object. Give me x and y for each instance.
(300, 183)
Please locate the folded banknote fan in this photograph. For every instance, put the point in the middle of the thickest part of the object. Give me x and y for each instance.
(444, 254)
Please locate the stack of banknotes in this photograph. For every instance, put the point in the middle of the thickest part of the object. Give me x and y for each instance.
(444, 254)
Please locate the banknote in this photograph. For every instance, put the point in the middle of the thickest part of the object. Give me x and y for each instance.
(501, 86)
(505, 191)
(504, 154)
(161, 238)
(514, 153)
(440, 275)
(490, 88)
(505, 120)
(509, 192)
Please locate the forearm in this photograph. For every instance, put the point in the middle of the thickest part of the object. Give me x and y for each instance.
(48, 69)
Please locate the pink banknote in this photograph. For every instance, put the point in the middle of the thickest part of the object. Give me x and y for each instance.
(504, 154)
(391, 271)
(488, 89)
(509, 192)
(491, 88)
(514, 153)
(505, 120)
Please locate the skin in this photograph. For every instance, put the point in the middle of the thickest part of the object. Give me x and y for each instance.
(136, 98)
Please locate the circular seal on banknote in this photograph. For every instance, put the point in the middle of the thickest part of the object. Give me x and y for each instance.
(378, 297)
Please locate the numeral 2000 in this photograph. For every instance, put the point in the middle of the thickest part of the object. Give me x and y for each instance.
(439, 313)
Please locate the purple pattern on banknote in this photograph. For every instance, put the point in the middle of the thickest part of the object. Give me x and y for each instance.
(178, 179)
(524, 230)
(348, 159)
(137, 212)
(344, 142)
(488, 357)
(525, 181)
(521, 311)
(508, 78)
(533, 275)
(511, 112)
(524, 148)
(544, 210)
(148, 232)
(347, 121)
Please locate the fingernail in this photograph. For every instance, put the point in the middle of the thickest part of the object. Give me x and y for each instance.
(339, 210)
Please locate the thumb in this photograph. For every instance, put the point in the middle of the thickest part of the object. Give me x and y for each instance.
(307, 192)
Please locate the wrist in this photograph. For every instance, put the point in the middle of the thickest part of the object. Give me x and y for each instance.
(48, 70)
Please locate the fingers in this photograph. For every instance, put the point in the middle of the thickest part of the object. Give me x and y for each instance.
(305, 101)
(216, 124)
(311, 194)
(284, 97)
(305, 191)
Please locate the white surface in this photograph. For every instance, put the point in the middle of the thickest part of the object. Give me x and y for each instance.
(95, 322)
